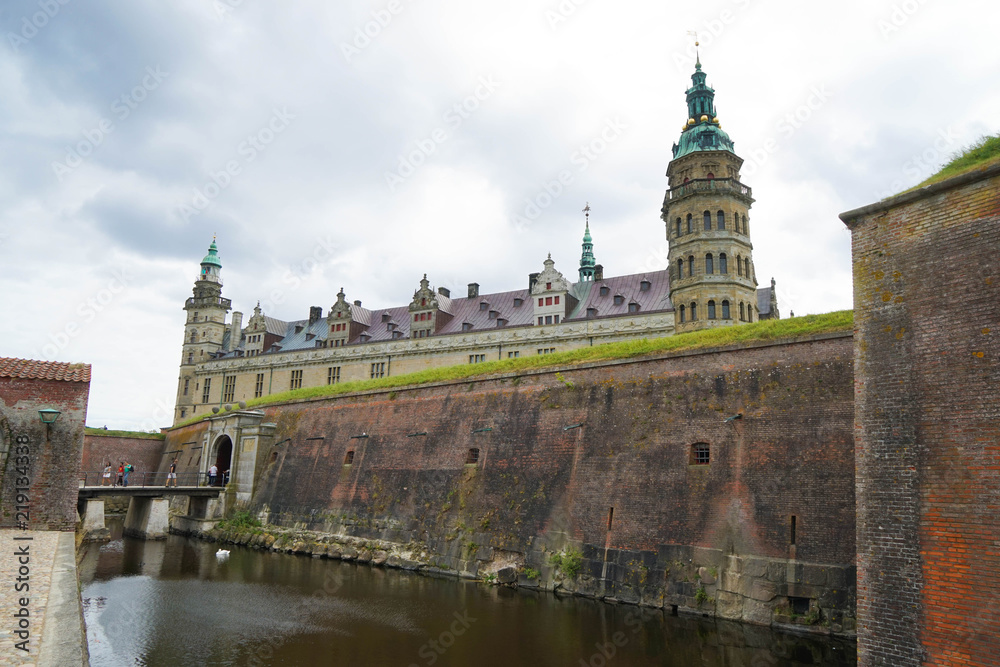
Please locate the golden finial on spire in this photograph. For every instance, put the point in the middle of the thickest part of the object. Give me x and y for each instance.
(586, 209)
(697, 55)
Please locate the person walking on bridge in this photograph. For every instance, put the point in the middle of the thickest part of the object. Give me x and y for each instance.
(213, 472)
(106, 480)
(121, 473)
(172, 475)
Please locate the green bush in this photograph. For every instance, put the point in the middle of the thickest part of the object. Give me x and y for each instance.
(568, 562)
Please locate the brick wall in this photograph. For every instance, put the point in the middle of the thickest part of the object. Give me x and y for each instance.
(53, 452)
(564, 448)
(927, 320)
(143, 453)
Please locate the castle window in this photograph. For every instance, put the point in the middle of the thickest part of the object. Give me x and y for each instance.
(196, 316)
(619, 299)
(546, 350)
(548, 319)
(548, 285)
(378, 370)
(680, 269)
(591, 313)
(396, 335)
(682, 314)
(483, 305)
(633, 307)
(678, 227)
(689, 223)
(206, 390)
(385, 317)
(423, 302)
(472, 457)
(743, 314)
(694, 311)
(710, 176)
(513, 355)
(701, 454)
(725, 310)
(466, 326)
(501, 322)
(333, 375)
(720, 220)
(477, 358)
(518, 302)
(183, 413)
(541, 320)
(416, 317)
(708, 221)
(711, 310)
(709, 264)
(541, 301)
(605, 290)
(391, 326)
(690, 265)
(296, 380)
(187, 383)
(745, 231)
(749, 313)
(548, 301)
(746, 267)
(644, 286)
(349, 457)
(739, 265)
(192, 337)
(557, 301)
(556, 319)
(228, 388)
(723, 263)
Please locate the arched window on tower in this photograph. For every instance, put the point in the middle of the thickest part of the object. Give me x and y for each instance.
(749, 313)
(694, 311)
(725, 310)
(745, 230)
(680, 269)
(746, 267)
(711, 310)
(710, 176)
(678, 227)
(682, 313)
(709, 264)
(689, 223)
(739, 265)
(743, 315)
(723, 263)
(690, 265)
(192, 337)
(190, 357)
(720, 220)
(708, 220)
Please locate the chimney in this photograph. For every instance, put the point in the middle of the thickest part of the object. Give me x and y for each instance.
(532, 279)
(235, 331)
(357, 302)
(473, 290)
(315, 314)
(444, 291)
(599, 272)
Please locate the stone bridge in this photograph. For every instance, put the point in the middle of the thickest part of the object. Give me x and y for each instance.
(148, 514)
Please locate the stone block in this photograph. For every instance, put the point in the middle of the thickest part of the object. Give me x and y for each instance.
(706, 577)
(777, 571)
(729, 605)
(730, 581)
(757, 612)
(506, 575)
(763, 591)
(755, 567)
(814, 575)
(379, 557)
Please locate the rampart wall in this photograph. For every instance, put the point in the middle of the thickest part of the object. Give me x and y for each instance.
(600, 459)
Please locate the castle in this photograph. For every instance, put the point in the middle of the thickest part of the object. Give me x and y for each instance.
(710, 281)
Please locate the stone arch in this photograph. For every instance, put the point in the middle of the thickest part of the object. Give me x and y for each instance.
(221, 455)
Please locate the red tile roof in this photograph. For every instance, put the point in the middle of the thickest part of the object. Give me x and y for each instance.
(30, 369)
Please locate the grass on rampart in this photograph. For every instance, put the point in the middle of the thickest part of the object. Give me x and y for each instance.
(981, 153)
(767, 330)
(139, 435)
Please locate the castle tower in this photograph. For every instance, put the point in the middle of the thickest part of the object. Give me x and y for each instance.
(712, 279)
(587, 261)
(203, 334)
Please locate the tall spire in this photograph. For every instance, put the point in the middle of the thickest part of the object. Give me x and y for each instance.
(587, 261)
(701, 131)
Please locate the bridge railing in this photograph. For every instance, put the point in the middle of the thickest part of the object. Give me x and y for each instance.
(144, 479)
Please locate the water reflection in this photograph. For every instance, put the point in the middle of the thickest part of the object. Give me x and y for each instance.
(174, 603)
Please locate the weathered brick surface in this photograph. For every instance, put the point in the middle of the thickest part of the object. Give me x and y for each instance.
(53, 453)
(143, 453)
(927, 316)
(566, 447)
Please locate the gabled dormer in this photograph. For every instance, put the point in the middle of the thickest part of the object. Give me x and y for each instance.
(340, 320)
(255, 333)
(550, 293)
(429, 310)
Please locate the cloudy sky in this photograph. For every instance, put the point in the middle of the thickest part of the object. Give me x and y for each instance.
(364, 143)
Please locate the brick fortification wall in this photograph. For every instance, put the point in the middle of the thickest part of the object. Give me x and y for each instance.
(143, 453)
(599, 458)
(927, 367)
(53, 452)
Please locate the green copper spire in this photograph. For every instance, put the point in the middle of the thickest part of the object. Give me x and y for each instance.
(213, 255)
(701, 130)
(587, 261)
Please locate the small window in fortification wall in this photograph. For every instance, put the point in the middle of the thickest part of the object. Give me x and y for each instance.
(349, 457)
(701, 454)
(472, 457)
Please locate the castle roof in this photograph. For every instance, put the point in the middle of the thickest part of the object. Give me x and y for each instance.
(31, 369)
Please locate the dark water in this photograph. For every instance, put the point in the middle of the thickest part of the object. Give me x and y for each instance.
(174, 603)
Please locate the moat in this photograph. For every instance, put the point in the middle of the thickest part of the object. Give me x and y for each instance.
(174, 602)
